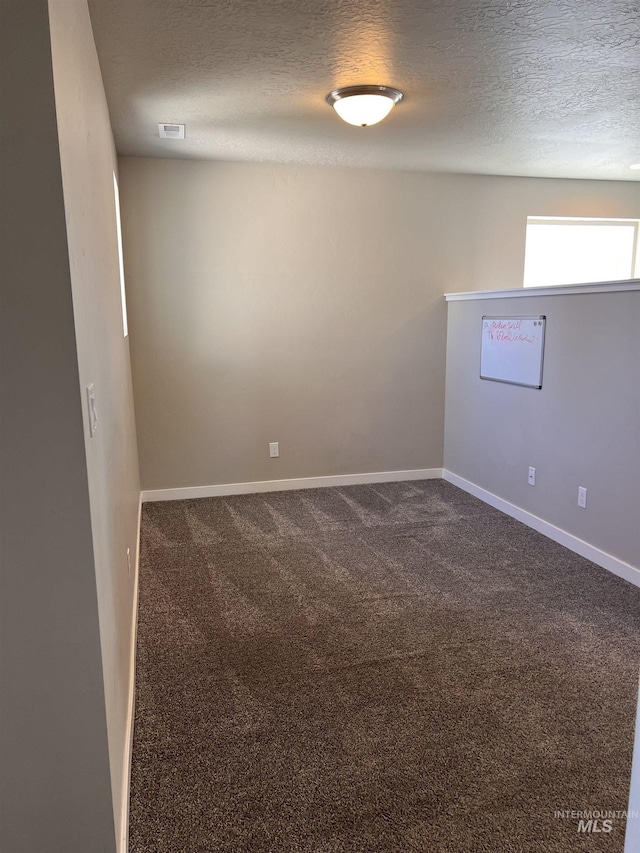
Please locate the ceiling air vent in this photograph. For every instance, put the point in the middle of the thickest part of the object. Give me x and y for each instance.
(171, 131)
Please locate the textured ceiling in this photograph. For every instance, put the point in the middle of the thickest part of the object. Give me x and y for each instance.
(511, 87)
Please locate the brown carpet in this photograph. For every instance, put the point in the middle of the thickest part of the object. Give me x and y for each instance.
(375, 669)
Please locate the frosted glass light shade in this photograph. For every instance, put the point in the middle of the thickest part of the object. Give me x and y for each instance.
(363, 110)
(363, 106)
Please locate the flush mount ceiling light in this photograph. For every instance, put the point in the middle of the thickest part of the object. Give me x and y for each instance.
(635, 166)
(364, 105)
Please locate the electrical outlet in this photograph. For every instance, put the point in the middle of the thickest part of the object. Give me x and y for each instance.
(582, 497)
(274, 449)
(532, 476)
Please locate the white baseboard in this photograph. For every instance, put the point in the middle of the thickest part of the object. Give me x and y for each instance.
(573, 543)
(286, 485)
(123, 846)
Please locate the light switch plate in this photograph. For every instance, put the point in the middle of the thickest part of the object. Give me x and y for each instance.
(91, 409)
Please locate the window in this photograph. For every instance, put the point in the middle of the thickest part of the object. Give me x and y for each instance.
(123, 296)
(577, 251)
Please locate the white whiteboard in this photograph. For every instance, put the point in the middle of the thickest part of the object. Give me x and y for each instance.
(512, 350)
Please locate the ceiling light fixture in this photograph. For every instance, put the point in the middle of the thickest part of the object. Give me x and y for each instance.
(364, 105)
(635, 166)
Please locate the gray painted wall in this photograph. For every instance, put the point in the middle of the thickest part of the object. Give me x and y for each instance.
(632, 836)
(304, 305)
(56, 794)
(69, 503)
(266, 306)
(581, 429)
(88, 159)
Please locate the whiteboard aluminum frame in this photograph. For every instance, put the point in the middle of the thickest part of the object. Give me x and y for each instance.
(542, 317)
